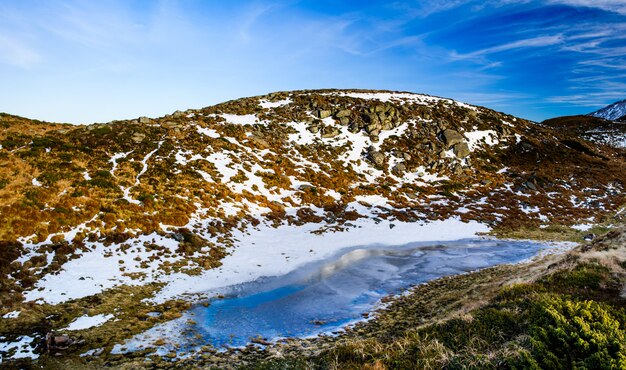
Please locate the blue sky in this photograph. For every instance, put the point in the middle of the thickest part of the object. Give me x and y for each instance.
(95, 61)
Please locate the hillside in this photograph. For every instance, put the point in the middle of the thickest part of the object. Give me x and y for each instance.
(130, 217)
(594, 129)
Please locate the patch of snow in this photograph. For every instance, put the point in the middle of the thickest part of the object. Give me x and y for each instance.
(247, 119)
(36, 182)
(400, 98)
(268, 104)
(92, 352)
(11, 315)
(221, 161)
(104, 267)
(208, 132)
(303, 136)
(22, 347)
(582, 227)
(86, 175)
(114, 159)
(86, 322)
(476, 138)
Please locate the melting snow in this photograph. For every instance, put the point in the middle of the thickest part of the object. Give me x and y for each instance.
(22, 347)
(475, 138)
(268, 104)
(86, 322)
(208, 132)
(11, 315)
(582, 227)
(248, 119)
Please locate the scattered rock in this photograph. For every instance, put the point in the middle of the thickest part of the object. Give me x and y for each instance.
(376, 157)
(321, 113)
(399, 169)
(305, 187)
(461, 150)
(138, 137)
(451, 137)
(343, 113)
(55, 342)
(314, 129)
(144, 120)
(329, 132)
(344, 121)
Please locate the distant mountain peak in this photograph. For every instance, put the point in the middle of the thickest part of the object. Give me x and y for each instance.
(613, 112)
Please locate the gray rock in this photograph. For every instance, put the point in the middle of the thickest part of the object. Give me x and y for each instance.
(387, 125)
(372, 127)
(328, 132)
(313, 129)
(138, 137)
(323, 113)
(345, 121)
(399, 169)
(376, 157)
(144, 120)
(451, 137)
(171, 124)
(344, 113)
(305, 187)
(461, 150)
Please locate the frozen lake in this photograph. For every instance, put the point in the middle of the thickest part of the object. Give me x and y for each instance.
(327, 295)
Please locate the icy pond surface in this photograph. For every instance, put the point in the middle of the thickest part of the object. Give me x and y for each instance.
(325, 296)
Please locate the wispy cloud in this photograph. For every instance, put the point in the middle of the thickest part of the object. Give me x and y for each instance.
(534, 42)
(17, 53)
(617, 6)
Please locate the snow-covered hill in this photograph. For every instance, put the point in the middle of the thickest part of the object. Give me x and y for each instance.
(612, 112)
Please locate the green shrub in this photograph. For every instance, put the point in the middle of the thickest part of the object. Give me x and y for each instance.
(570, 334)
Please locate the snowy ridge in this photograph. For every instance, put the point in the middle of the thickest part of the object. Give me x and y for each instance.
(611, 112)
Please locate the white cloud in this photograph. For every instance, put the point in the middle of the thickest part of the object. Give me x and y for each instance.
(526, 43)
(617, 6)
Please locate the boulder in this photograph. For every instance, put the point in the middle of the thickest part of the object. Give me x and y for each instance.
(329, 131)
(372, 127)
(138, 137)
(343, 113)
(144, 120)
(461, 150)
(354, 128)
(321, 113)
(451, 137)
(376, 157)
(314, 129)
(399, 169)
(57, 342)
